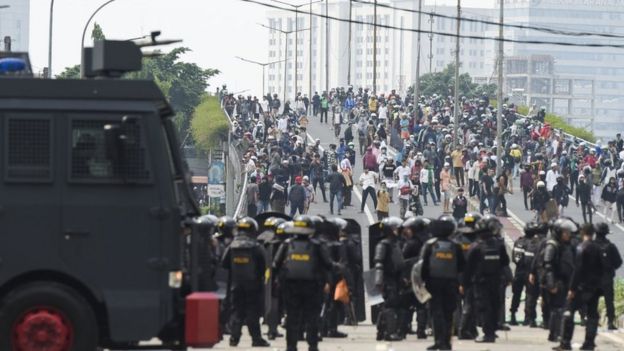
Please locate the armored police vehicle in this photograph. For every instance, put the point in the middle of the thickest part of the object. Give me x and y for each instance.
(98, 225)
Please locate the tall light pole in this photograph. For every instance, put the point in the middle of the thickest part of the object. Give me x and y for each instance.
(375, 47)
(50, 39)
(296, 7)
(431, 42)
(260, 64)
(457, 109)
(416, 90)
(285, 32)
(499, 114)
(327, 46)
(84, 32)
(349, 41)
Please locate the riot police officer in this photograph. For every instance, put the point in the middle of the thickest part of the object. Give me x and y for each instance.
(272, 237)
(415, 231)
(465, 237)
(611, 260)
(531, 244)
(486, 262)
(224, 236)
(388, 261)
(537, 277)
(246, 260)
(442, 262)
(521, 274)
(558, 268)
(329, 236)
(584, 291)
(302, 264)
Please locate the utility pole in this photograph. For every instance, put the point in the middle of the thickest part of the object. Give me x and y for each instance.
(285, 32)
(349, 44)
(375, 48)
(431, 42)
(327, 47)
(416, 90)
(458, 107)
(499, 114)
(49, 75)
(310, 55)
(296, 48)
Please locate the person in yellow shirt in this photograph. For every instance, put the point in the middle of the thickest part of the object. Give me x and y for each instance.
(372, 105)
(516, 155)
(458, 165)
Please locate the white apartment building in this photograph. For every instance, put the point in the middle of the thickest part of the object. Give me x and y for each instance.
(396, 49)
(14, 23)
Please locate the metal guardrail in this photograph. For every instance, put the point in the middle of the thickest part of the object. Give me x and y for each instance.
(238, 172)
(567, 136)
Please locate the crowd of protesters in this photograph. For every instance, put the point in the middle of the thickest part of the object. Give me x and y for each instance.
(410, 155)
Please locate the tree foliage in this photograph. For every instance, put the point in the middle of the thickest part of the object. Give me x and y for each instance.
(182, 83)
(443, 83)
(209, 125)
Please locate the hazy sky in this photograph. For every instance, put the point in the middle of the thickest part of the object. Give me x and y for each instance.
(216, 31)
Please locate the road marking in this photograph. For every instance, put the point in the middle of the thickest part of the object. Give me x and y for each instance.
(356, 191)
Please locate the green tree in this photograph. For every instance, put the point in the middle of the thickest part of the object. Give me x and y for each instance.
(73, 72)
(443, 83)
(97, 33)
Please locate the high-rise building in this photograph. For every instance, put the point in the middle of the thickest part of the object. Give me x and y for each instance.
(14, 24)
(396, 49)
(594, 75)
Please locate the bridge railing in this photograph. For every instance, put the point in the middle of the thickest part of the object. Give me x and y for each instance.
(237, 182)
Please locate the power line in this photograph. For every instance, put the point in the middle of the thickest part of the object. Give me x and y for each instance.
(507, 40)
(509, 25)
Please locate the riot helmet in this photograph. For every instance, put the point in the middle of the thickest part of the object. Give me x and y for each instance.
(490, 225)
(443, 227)
(472, 218)
(564, 228)
(247, 226)
(225, 226)
(272, 223)
(416, 224)
(390, 225)
(531, 229)
(602, 229)
(283, 228)
(303, 225)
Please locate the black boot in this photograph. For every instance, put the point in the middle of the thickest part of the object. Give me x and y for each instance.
(612, 325)
(591, 329)
(513, 320)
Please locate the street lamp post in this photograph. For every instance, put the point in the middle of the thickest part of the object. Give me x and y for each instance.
(296, 7)
(285, 32)
(263, 67)
(458, 105)
(50, 40)
(84, 32)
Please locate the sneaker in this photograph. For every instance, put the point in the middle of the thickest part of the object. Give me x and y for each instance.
(434, 347)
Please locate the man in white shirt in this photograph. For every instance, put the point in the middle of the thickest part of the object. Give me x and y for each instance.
(551, 176)
(368, 182)
(282, 124)
(403, 170)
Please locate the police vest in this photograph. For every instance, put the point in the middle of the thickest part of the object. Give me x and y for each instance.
(242, 263)
(491, 265)
(443, 259)
(300, 261)
(531, 249)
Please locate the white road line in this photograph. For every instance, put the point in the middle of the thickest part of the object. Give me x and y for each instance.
(356, 191)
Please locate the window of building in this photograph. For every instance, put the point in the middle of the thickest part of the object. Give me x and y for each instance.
(91, 158)
(28, 154)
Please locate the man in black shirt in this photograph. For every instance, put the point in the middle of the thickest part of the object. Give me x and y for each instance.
(487, 193)
(336, 186)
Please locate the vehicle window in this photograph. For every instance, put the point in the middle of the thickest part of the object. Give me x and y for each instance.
(91, 156)
(28, 149)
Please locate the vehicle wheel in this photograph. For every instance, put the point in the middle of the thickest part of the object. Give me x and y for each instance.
(47, 316)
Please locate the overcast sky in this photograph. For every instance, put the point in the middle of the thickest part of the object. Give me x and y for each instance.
(216, 31)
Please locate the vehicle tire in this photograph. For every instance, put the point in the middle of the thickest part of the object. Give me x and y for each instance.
(47, 316)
